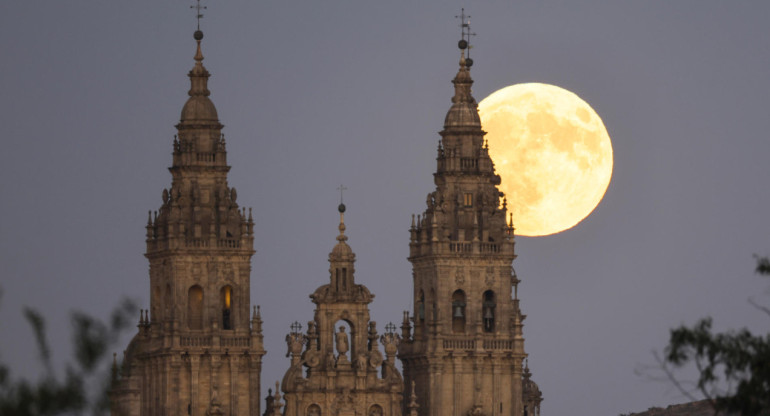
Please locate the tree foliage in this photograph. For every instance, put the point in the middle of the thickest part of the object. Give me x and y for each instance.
(733, 366)
(54, 395)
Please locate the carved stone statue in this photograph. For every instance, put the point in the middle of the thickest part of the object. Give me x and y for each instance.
(361, 362)
(342, 342)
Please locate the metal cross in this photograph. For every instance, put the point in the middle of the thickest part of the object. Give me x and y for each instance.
(296, 327)
(198, 9)
(390, 328)
(342, 189)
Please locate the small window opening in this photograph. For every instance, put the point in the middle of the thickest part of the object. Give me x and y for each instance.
(195, 307)
(488, 311)
(458, 311)
(227, 307)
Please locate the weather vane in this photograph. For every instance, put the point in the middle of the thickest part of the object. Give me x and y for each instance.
(198, 13)
(465, 25)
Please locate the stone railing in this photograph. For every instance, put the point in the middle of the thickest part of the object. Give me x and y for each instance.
(235, 342)
(221, 243)
(195, 341)
(458, 247)
(228, 243)
(459, 344)
(489, 248)
(498, 344)
(470, 344)
(196, 242)
(208, 341)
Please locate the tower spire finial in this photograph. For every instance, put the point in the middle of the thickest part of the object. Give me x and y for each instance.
(198, 13)
(341, 207)
(465, 37)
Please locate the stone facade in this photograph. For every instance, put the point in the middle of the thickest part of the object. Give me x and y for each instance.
(197, 351)
(339, 371)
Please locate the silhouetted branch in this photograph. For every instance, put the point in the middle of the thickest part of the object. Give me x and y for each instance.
(37, 323)
(762, 308)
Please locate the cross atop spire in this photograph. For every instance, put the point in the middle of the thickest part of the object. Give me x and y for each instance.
(198, 13)
(341, 207)
(466, 33)
(342, 189)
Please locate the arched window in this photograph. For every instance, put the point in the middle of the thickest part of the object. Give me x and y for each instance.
(226, 302)
(421, 307)
(195, 307)
(313, 410)
(375, 410)
(458, 311)
(488, 311)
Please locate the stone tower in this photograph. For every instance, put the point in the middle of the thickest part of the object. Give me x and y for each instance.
(466, 349)
(198, 351)
(337, 371)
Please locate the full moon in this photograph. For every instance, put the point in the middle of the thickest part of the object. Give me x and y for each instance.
(552, 152)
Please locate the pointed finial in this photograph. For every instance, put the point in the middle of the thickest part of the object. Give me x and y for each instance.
(114, 367)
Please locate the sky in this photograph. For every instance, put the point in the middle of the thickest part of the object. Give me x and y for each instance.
(317, 94)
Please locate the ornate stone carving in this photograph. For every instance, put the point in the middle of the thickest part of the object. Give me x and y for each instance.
(343, 403)
(476, 410)
(460, 276)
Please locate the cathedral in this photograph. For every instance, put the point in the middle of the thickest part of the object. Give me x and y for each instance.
(199, 347)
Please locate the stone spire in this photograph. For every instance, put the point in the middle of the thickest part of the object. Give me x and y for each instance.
(199, 109)
(341, 263)
(199, 210)
(464, 111)
(466, 205)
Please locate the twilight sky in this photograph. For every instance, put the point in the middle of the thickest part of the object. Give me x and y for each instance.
(314, 94)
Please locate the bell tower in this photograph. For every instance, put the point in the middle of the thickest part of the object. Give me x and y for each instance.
(198, 351)
(463, 346)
